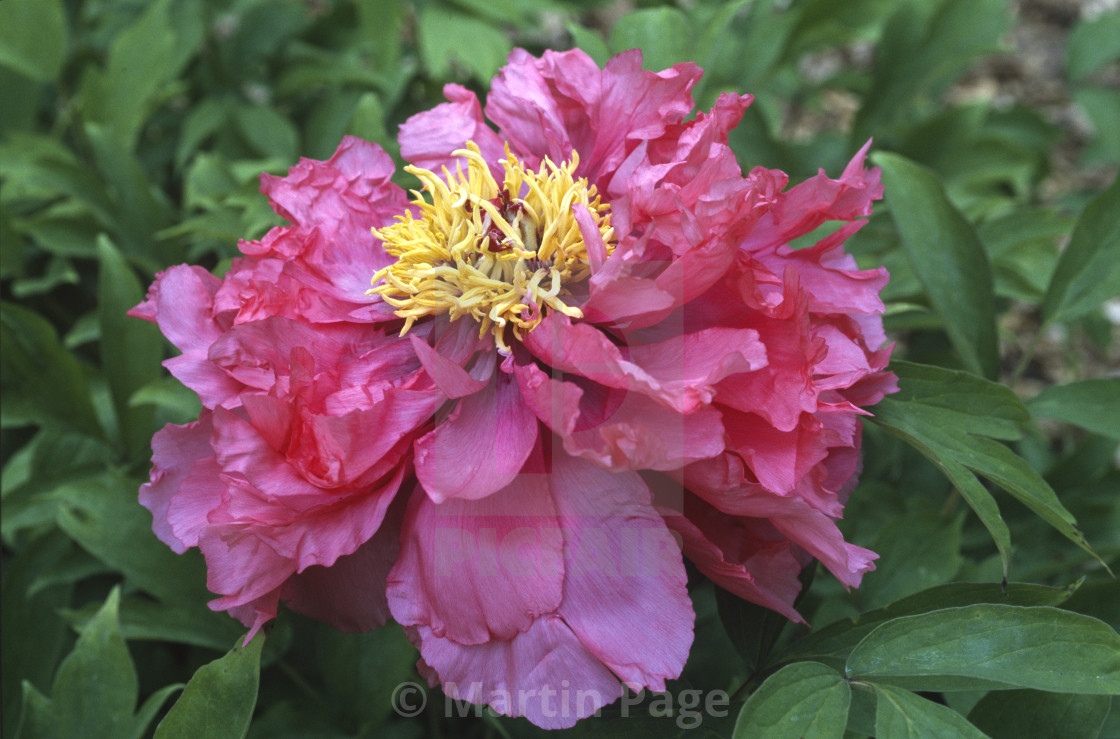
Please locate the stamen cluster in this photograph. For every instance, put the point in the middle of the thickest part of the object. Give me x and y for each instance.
(503, 255)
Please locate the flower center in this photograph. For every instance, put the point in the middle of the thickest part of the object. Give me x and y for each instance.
(503, 255)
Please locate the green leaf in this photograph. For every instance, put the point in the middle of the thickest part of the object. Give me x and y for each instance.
(143, 619)
(1101, 106)
(663, 34)
(946, 415)
(94, 692)
(806, 699)
(131, 349)
(903, 715)
(218, 701)
(31, 633)
(268, 132)
(42, 382)
(101, 514)
(1092, 44)
(143, 59)
(923, 48)
(357, 666)
(1090, 404)
(948, 259)
(754, 629)
(1032, 714)
(833, 643)
(33, 37)
(916, 551)
(448, 39)
(990, 647)
(1088, 272)
(591, 42)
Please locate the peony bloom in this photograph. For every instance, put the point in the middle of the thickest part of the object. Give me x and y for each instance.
(498, 411)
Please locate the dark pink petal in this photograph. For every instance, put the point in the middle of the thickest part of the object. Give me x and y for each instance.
(480, 447)
(350, 594)
(479, 570)
(740, 561)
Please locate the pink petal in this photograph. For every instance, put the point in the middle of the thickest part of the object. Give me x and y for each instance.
(479, 570)
(350, 594)
(544, 674)
(175, 452)
(480, 447)
(740, 561)
(428, 138)
(622, 568)
(452, 380)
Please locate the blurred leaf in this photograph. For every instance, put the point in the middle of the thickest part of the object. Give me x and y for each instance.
(923, 48)
(1102, 106)
(947, 257)
(903, 715)
(141, 209)
(268, 132)
(218, 701)
(203, 120)
(449, 39)
(992, 647)
(142, 60)
(834, 642)
(591, 42)
(1033, 714)
(33, 37)
(130, 348)
(1023, 247)
(42, 382)
(142, 619)
(1092, 44)
(94, 692)
(1088, 272)
(102, 515)
(31, 633)
(356, 666)
(59, 272)
(1090, 404)
(663, 34)
(916, 552)
(806, 699)
(946, 415)
(42, 168)
(179, 403)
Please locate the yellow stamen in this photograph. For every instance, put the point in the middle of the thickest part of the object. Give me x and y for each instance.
(501, 255)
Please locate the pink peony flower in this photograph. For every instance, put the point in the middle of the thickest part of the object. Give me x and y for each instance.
(499, 412)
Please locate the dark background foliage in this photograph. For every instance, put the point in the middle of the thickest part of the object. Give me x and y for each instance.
(131, 137)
